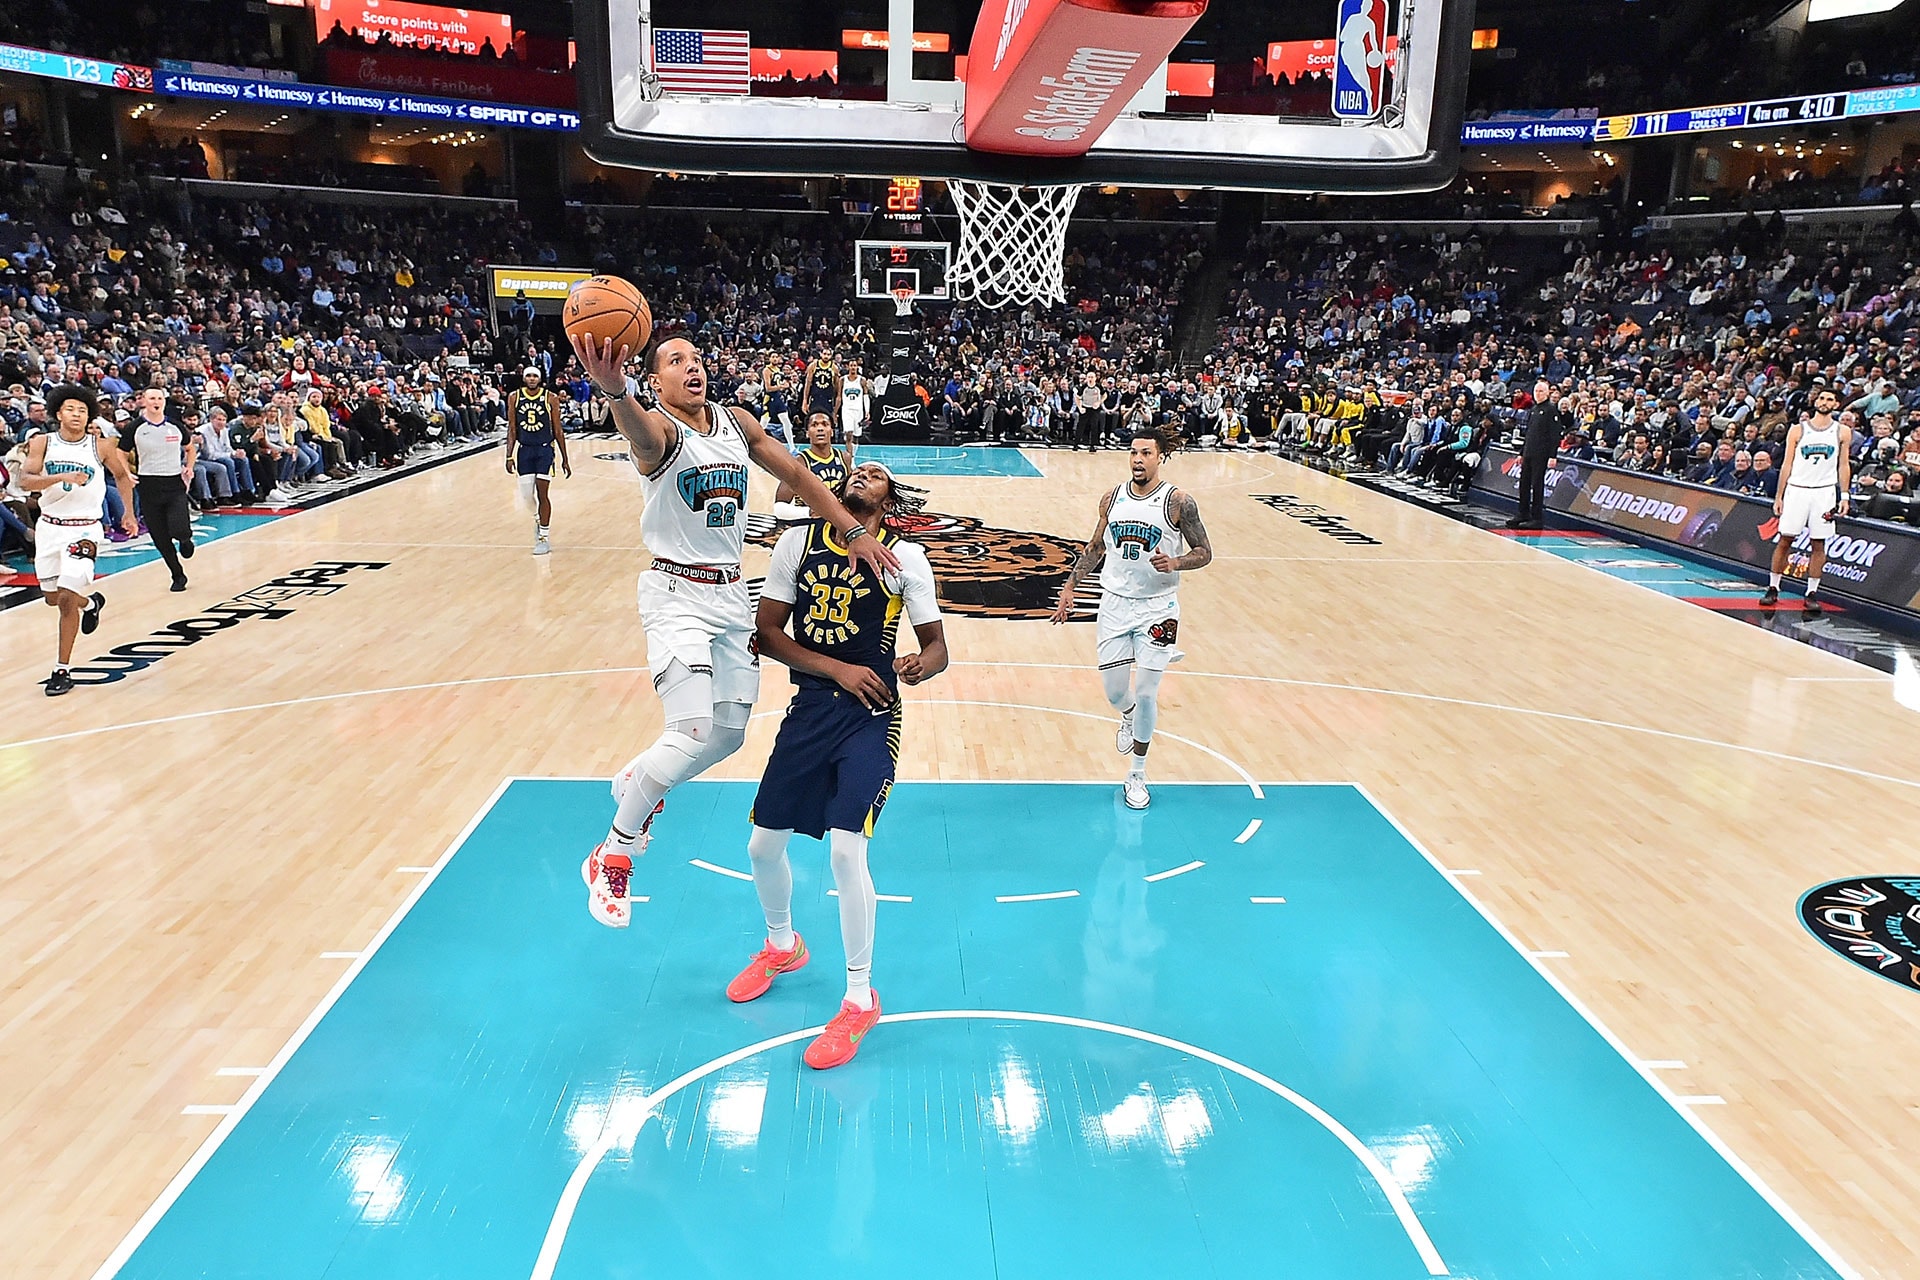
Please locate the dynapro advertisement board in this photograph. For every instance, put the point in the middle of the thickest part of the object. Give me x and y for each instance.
(1868, 559)
(546, 287)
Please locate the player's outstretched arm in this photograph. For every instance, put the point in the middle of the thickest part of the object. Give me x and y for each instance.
(773, 458)
(1092, 556)
(649, 434)
(1186, 518)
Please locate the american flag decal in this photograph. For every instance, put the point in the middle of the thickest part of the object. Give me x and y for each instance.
(701, 61)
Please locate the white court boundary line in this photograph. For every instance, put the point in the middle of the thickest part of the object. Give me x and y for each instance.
(1676, 1101)
(1336, 686)
(628, 1131)
(231, 1119)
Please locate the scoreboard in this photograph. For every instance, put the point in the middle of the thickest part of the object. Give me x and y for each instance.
(1807, 109)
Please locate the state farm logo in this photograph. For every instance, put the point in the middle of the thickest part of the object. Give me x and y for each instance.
(1618, 502)
(1079, 95)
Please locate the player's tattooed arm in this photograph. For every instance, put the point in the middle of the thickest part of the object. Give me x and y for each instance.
(1186, 518)
(1091, 557)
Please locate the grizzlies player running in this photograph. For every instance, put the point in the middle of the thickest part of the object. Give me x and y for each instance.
(821, 458)
(692, 456)
(1148, 535)
(534, 431)
(68, 468)
(833, 763)
(1814, 479)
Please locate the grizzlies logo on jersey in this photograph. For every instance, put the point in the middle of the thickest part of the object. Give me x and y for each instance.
(1821, 451)
(719, 489)
(1134, 540)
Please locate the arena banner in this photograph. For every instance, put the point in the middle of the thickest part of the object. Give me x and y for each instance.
(414, 26)
(1868, 559)
(546, 287)
(368, 102)
(444, 77)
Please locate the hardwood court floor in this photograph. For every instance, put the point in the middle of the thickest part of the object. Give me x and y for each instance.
(1641, 785)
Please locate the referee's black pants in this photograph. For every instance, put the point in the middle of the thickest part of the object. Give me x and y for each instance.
(169, 517)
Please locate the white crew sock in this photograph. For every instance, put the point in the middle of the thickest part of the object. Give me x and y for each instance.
(1773, 580)
(1813, 585)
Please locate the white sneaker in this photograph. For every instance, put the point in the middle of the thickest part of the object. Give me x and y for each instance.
(1123, 739)
(1137, 795)
(540, 544)
(606, 874)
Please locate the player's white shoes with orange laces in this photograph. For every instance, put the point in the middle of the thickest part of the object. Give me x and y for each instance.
(606, 872)
(841, 1040)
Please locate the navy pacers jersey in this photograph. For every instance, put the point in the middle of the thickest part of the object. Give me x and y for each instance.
(831, 470)
(841, 611)
(533, 418)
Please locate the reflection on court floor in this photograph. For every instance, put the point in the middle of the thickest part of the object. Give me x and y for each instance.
(1246, 1033)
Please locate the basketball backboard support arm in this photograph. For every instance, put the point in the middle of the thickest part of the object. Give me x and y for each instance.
(1413, 149)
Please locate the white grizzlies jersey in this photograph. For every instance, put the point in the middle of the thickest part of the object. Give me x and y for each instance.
(86, 499)
(1137, 530)
(697, 497)
(853, 401)
(1816, 459)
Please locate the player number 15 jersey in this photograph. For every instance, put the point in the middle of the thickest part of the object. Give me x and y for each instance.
(1137, 530)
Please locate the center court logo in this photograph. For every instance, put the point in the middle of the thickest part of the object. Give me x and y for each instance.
(1873, 921)
(1335, 527)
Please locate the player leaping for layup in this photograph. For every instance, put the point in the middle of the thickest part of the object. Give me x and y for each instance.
(832, 765)
(692, 456)
(1149, 533)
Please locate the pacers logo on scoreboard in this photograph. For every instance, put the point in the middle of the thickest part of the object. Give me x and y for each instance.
(1360, 64)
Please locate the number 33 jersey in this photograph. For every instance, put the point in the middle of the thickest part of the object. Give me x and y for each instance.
(839, 609)
(696, 509)
(1137, 530)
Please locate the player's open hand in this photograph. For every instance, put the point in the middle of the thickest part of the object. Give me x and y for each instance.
(877, 560)
(1845, 506)
(865, 684)
(909, 668)
(1779, 506)
(605, 369)
(128, 524)
(566, 469)
(1064, 609)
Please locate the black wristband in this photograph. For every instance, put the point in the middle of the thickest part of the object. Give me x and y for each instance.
(615, 399)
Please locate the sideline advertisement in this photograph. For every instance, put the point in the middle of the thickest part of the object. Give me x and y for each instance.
(1867, 559)
(372, 102)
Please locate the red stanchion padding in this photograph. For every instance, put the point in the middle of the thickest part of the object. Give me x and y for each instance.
(1046, 77)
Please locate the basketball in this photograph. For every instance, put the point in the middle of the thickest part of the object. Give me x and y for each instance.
(607, 308)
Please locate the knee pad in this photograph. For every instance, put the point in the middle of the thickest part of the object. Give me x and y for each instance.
(527, 499)
(673, 758)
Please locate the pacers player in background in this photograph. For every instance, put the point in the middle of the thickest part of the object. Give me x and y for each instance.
(692, 456)
(534, 431)
(821, 458)
(833, 762)
(820, 385)
(1814, 478)
(1148, 535)
(68, 469)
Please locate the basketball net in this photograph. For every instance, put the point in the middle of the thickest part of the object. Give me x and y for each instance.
(903, 302)
(1013, 243)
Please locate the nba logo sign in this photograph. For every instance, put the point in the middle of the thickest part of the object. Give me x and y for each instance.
(1359, 69)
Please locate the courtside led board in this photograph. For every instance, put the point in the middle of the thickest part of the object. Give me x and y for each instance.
(663, 89)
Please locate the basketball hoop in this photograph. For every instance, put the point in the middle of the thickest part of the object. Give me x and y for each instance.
(1013, 243)
(903, 300)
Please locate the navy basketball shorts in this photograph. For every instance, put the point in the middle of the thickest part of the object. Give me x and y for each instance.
(832, 765)
(535, 459)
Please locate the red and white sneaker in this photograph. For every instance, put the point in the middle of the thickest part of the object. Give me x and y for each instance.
(606, 873)
(754, 981)
(841, 1040)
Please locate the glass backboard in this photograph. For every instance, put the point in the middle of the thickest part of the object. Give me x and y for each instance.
(1257, 95)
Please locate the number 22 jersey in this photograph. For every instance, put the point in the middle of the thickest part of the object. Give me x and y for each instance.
(696, 510)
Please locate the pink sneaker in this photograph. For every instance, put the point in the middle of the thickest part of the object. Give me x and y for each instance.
(606, 873)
